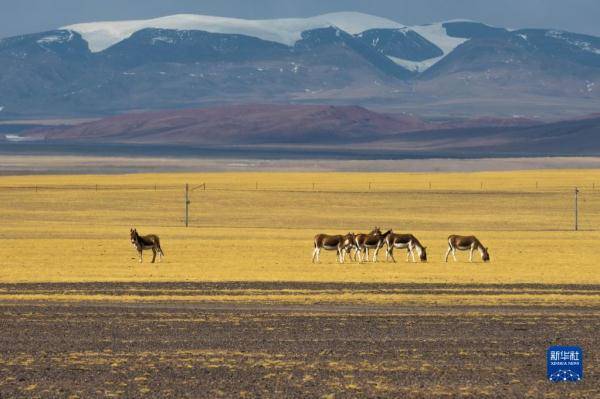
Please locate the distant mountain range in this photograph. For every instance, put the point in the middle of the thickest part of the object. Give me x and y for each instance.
(339, 128)
(187, 61)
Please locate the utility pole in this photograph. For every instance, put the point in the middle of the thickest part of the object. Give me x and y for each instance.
(187, 204)
(576, 209)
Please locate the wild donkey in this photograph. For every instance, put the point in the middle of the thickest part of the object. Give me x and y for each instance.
(142, 243)
(374, 240)
(466, 243)
(405, 241)
(337, 243)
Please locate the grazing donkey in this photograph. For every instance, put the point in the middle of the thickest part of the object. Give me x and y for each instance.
(405, 241)
(466, 243)
(147, 242)
(374, 240)
(337, 243)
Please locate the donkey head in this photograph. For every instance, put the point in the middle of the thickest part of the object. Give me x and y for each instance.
(348, 240)
(375, 232)
(133, 235)
(485, 255)
(423, 255)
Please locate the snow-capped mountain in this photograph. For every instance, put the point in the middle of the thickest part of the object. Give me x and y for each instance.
(342, 58)
(102, 35)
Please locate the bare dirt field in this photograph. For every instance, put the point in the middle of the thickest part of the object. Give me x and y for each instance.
(268, 349)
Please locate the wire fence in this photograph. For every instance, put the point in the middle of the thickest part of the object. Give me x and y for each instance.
(333, 206)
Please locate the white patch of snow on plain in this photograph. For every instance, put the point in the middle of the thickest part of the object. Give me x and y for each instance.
(590, 86)
(101, 35)
(15, 138)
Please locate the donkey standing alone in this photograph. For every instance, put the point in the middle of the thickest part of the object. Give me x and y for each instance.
(466, 243)
(142, 243)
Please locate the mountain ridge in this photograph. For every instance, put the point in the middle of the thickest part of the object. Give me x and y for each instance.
(415, 68)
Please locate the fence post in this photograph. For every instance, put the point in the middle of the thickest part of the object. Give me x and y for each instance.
(187, 204)
(576, 209)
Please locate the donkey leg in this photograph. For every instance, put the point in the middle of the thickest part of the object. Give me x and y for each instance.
(412, 251)
(448, 253)
(376, 253)
(471, 255)
(314, 254)
(361, 255)
(141, 253)
(392, 254)
(153, 254)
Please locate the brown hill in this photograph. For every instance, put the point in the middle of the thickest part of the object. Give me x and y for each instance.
(241, 124)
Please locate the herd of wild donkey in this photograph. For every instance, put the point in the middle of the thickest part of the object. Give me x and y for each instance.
(375, 240)
(345, 244)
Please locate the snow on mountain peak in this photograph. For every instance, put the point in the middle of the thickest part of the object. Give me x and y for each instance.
(101, 35)
(436, 34)
(61, 37)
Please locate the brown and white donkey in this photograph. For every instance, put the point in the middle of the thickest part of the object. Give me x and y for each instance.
(405, 241)
(466, 243)
(337, 243)
(142, 243)
(374, 240)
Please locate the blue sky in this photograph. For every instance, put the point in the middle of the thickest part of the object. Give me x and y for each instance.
(26, 16)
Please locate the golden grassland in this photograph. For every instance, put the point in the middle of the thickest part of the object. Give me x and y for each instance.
(259, 226)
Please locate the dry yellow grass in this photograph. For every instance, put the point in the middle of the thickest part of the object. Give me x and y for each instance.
(239, 233)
